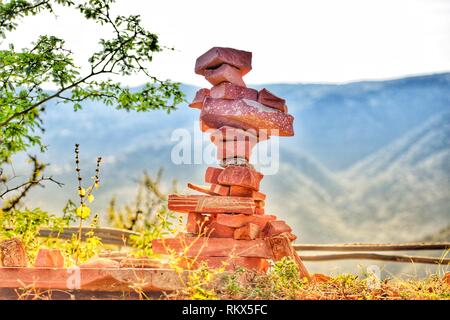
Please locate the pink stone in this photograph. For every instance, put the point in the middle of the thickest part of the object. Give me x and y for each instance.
(211, 175)
(225, 73)
(274, 228)
(267, 98)
(246, 114)
(197, 103)
(248, 232)
(210, 204)
(49, 258)
(219, 189)
(217, 56)
(12, 253)
(240, 176)
(230, 91)
(227, 133)
(213, 247)
(234, 149)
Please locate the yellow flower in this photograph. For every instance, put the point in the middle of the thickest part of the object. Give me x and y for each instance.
(81, 192)
(91, 197)
(83, 211)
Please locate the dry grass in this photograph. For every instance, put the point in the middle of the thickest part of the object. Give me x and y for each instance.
(282, 282)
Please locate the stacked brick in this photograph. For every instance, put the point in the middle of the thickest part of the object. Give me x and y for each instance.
(227, 222)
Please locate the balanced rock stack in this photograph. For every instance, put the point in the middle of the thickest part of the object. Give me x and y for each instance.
(227, 223)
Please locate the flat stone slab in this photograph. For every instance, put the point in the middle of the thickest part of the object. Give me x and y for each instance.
(213, 247)
(240, 176)
(217, 56)
(210, 204)
(92, 279)
(225, 73)
(245, 114)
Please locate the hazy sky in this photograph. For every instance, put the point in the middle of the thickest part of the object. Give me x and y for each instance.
(291, 40)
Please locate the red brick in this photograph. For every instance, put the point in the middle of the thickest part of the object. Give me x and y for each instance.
(217, 230)
(240, 176)
(245, 114)
(12, 253)
(210, 204)
(230, 91)
(240, 220)
(217, 56)
(213, 247)
(229, 263)
(220, 190)
(248, 232)
(49, 258)
(211, 175)
(274, 228)
(267, 98)
(225, 73)
(197, 103)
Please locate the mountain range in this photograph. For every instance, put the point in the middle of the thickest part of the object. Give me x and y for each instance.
(369, 162)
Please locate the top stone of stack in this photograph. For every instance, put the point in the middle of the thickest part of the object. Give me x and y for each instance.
(215, 57)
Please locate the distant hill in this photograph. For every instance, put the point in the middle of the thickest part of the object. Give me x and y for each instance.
(370, 161)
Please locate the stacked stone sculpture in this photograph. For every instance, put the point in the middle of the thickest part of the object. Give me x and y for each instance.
(227, 224)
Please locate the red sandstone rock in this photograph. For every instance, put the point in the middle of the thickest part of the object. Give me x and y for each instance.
(274, 228)
(260, 211)
(229, 263)
(196, 222)
(49, 258)
(211, 204)
(211, 175)
(217, 56)
(213, 247)
(225, 73)
(227, 133)
(281, 247)
(248, 232)
(217, 230)
(97, 262)
(245, 114)
(260, 203)
(197, 103)
(12, 253)
(267, 98)
(239, 191)
(92, 279)
(230, 91)
(240, 220)
(240, 176)
(234, 149)
(220, 190)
